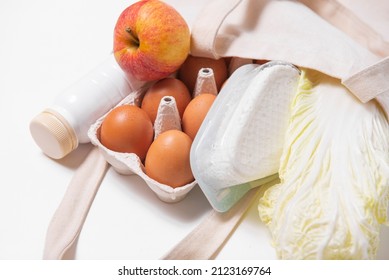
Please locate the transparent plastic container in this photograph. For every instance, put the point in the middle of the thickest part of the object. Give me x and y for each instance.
(239, 144)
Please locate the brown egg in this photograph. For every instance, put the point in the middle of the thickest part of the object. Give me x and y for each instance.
(195, 113)
(165, 87)
(228, 60)
(167, 160)
(260, 61)
(190, 68)
(127, 129)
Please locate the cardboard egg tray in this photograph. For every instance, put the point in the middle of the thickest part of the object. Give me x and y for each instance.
(130, 163)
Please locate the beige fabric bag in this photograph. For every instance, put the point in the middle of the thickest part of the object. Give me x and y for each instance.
(293, 32)
(344, 39)
(340, 46)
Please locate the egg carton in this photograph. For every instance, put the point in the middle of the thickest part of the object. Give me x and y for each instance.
(130, 163)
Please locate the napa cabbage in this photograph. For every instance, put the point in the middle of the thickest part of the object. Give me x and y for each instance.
(334, 176)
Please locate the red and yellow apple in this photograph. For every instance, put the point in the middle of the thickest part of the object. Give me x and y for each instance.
(151, 40)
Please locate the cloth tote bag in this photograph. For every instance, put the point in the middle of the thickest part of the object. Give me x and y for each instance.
(344, 39)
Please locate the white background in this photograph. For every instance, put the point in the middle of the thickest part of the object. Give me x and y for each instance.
(45, 47)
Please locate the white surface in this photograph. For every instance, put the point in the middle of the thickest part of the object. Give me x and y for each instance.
(45, 47)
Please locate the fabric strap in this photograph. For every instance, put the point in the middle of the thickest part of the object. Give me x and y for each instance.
(341, 16)
(372, 82)
(67, 222)
(207, 239)
(216, 35)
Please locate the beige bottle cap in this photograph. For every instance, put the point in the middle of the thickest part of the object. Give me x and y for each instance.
(53, 134)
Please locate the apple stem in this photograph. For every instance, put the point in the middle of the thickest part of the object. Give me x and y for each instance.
(133, 38)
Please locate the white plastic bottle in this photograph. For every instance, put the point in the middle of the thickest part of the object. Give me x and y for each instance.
(59, 129)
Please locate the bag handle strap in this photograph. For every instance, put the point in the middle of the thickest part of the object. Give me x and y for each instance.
(215, 229)
(213, 232)
(204, 32)
(67, 222)
(371, 82)
(339, 15)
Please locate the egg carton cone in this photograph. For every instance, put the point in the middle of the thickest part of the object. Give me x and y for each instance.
(168, 116)
(205, 82)
(130, 163)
